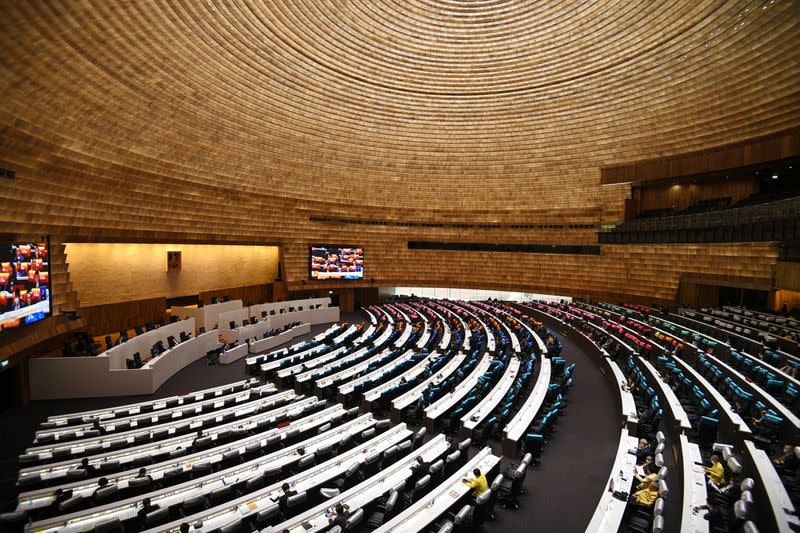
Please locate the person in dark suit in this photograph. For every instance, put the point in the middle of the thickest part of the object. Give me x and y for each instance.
(90, 469)
(420, 467)
(147, 507)
(342, 514)
(102, 482)
(643, 450)
(284, 498)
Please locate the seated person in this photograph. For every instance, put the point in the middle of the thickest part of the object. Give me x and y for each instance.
(283, 498)
(478, 484)
(102, 482)
(716, 472)
(787, 461)
(643, 450)
(649, 476)
(647, 461)
(340, 515)
(716, 516)
(757, 420)
(147, 507)
(647, 496)
(420, 467)
(90, 469)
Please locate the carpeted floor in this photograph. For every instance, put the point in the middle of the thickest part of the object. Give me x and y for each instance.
(562, 491)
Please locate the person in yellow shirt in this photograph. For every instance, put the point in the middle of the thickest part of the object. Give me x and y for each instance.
(649, 476)
(478, 484)
(647, 496)
(716, 473)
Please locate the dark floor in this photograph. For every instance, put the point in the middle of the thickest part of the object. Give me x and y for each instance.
(562, 491)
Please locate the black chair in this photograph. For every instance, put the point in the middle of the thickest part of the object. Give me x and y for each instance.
(354, 519)
(130, 364)
(371, 466)
(202, 443)
(108, 526)
(267, 514)
(107, 467)
(70, 504)
(220, 495)
(200, 469)
(156, 518)
(193, 505)
(137, 359)
(295, 501)
(140, 485)
(105, 494)
(109, 343)
(76, 473)
(419, 488)
(350, 478)
(233, 527)
(482, 509)
(138, 330)
(254, 483)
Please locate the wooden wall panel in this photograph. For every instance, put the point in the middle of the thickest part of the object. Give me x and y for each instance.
(779, 146)
(650, 273)
(250, 295)
(112, 318)
(787, 275)
(105, 273)
(683, 195)
(217, 123)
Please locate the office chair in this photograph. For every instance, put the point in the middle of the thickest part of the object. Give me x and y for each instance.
(105, 494)
(139, 485)
(269, 513)
(137, 359)
(231, 325)
(419, 488)
(354, 519)
(109, 344)
(220, 495)
(452, 462)
(295, 501)
(70, 504)
(108, 526)
(461, 519)
(371, 466)
(482, 510)
(350, 478)
(156, 518)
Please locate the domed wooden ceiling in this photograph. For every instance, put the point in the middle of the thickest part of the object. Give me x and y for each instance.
(415, 104)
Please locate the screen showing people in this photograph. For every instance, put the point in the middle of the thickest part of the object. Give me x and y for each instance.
(24, 283)
(337, 262)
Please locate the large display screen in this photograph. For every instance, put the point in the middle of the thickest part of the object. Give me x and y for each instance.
(24, 283)
(336, 262)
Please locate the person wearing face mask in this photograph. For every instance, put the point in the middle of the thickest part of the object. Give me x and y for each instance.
(650, 475)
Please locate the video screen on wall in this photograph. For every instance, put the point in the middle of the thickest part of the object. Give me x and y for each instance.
(336, 262)
(24, 283)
